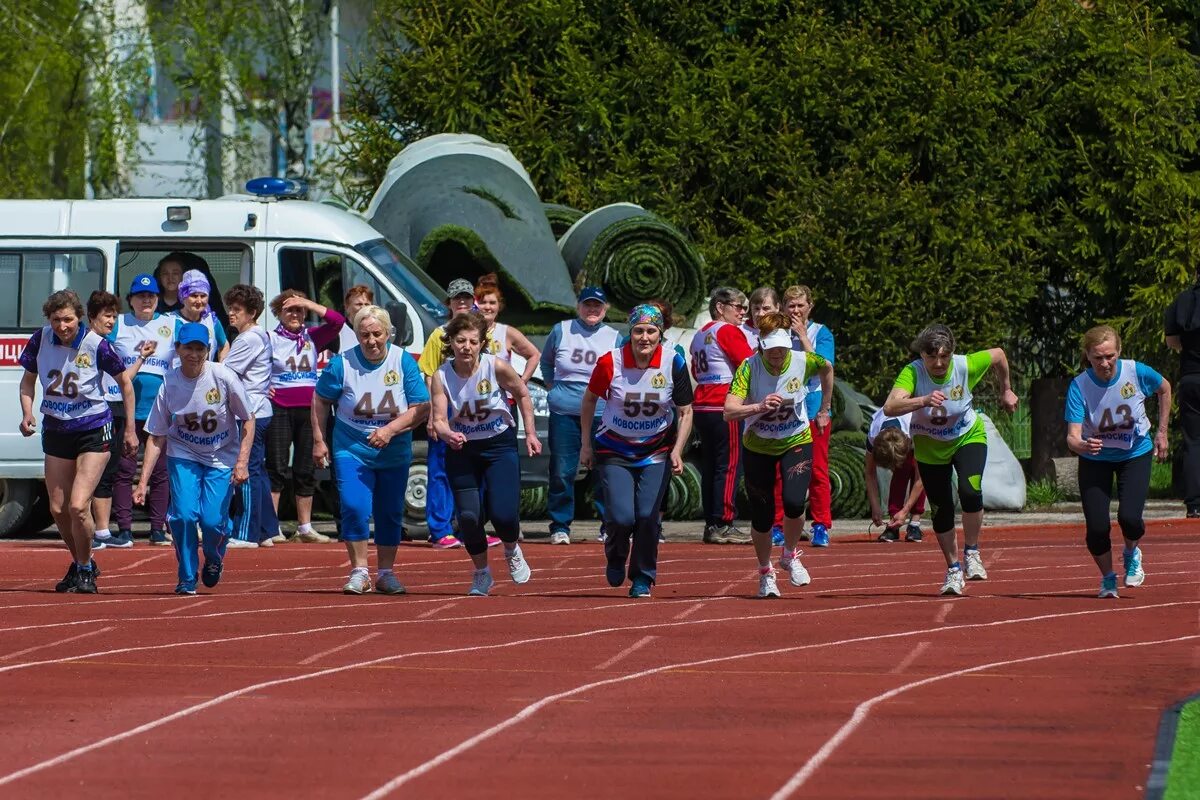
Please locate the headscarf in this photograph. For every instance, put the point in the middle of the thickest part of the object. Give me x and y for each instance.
(193, 281)
(646, 314)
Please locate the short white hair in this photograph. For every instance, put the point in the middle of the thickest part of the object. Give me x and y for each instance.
(372, 312)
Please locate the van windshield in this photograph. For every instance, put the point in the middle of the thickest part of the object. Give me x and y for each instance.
(407, 276)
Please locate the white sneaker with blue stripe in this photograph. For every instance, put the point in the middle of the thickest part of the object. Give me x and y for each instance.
(1134, 574)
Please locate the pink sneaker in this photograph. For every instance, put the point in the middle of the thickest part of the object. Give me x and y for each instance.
(493, 541)
(447, 542)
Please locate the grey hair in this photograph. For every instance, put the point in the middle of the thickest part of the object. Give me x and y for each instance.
(727, 295)
(934, 339)
(372, 312)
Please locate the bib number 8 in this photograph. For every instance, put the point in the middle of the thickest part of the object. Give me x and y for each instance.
(938, 415)
(387, 406)
(700, 359)
(635, 404)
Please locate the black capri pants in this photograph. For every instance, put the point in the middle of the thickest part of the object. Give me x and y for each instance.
(1096, 490)
(491, 468)
(289, 436)
(761, 470)
(104, 489)
(968, 462)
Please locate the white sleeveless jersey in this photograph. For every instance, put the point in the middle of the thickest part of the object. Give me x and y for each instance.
(372, 395)
(710, 365)
(70, 377)
(790, 418)
(478, 407)
(347, 338)
(208, 321)
(578, 350)
(956, 415)
(129, 334)
(880, 419)
(751, 335)
(1115, 414)
(293, 366)
(640, 402)
(199, 417)
(814, 383)
(497, 342)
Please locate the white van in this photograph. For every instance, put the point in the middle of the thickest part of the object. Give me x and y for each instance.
(273, 243)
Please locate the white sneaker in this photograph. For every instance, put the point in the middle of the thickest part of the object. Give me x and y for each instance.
(311, 537)
(560, 537)
(265, 543)
(518, 567)
(240, 544)
(954, 582)
(975, 570)
(767, 588)
(1134, 574)
(797, 574)
(278, 538)
(359, 583)
(482, 583)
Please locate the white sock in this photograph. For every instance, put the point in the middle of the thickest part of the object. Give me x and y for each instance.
(104, 534)
(305, 528)
(360, 570)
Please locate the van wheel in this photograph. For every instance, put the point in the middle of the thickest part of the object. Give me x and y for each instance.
(16, 503)
(417, 492)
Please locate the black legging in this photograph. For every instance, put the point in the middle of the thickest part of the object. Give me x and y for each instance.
(1096, 490)
(491, 468)
(968, 462)
(761, 471)
(289, 436)
(1189, 423)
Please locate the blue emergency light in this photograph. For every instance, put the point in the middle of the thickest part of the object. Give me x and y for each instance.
(277, 187)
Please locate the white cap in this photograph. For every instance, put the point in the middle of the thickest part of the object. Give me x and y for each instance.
(776, 338)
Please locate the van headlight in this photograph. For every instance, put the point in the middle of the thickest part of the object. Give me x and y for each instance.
(540, 398)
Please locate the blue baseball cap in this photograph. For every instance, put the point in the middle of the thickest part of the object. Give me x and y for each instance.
(190, 332)
(144, 283)
(593, 293)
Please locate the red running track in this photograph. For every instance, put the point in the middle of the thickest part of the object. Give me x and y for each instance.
(865, 684)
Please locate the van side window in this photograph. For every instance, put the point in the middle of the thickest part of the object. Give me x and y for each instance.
(317, 273)
(28, 277)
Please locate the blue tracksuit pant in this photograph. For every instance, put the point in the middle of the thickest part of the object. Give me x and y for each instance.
(200, 496)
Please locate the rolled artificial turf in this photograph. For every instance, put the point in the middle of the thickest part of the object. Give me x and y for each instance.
(635, 256)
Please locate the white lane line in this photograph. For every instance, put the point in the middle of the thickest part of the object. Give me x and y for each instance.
(687, 612)
(638, 645)
(55, 644)
(431, 612)
(912, 656)
(943, 612)
(860, 713)
(339, 648)
(126, 567)
(538, 705)
(187, 606)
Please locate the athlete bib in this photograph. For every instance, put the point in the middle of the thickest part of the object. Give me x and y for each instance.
(640, 401)
(956, 415)
(1116, 414)
(70, 377)
(790, 418)
(710, 365)
(372, 394)
(129, 335)
(578, 350)
(293, 364)
(199, 417)
(477, 406)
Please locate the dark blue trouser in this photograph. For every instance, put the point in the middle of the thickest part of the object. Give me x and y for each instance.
(439, 499)
(254, 517)
(492, 463)
(634, 497)
(565, 433)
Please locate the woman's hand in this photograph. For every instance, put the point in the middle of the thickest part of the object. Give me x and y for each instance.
(241, 473)
(131, 443)
(320, 454)
(147, 348)
(934, 400)
(28, 425)
(380, 437)
(676, 463)
(1160, 445)
(139, 493)
(772, 401)
(822, 421)
(1009, 400)
(533, 444)
(585, 456)
(1086, 447)
(456, 440)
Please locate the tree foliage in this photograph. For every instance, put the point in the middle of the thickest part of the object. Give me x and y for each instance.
(1016, 168)
(73, 85)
